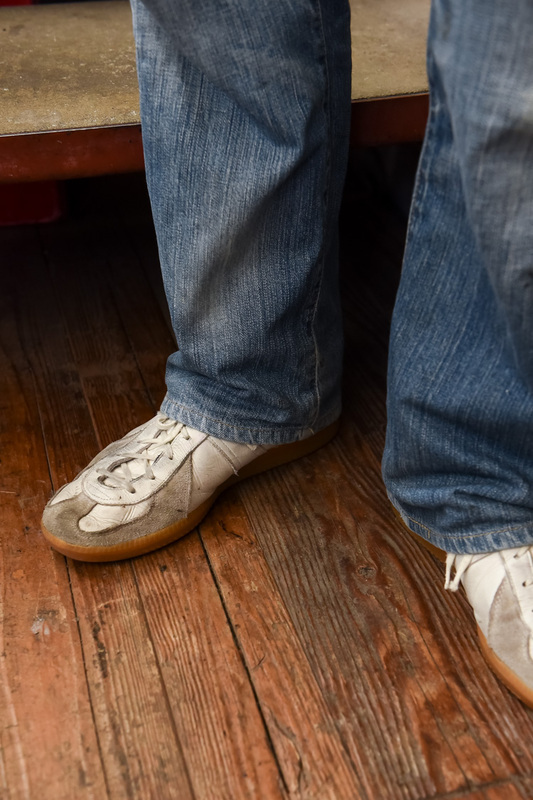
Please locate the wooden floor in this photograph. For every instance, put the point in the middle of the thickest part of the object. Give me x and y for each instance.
(297, 645)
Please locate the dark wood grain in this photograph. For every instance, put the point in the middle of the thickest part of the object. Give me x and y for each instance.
(129, 713)
(225, 741)
(309, 748)
(301, 645)
(427, 716)
(198, 673)
(48, 745)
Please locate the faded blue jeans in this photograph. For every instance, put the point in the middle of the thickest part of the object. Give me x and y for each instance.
(459, 457)
(245, 115)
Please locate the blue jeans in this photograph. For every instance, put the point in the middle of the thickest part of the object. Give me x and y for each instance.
(245, 114)
(458, 463)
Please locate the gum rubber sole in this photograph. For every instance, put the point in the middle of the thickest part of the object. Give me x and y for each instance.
(276, 457)
(505, 673)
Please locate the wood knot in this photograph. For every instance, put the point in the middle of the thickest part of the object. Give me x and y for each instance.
(366, 571)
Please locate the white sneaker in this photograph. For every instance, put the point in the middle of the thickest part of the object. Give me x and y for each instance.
(154, 486)
(499, 586)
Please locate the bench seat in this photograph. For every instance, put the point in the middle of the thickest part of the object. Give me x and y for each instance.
(69, 102)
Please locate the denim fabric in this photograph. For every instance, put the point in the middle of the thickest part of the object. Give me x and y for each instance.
(459, 457)
(245, 116)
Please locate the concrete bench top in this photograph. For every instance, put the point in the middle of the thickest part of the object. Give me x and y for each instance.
(71, 66)
(388, 48)
(67, 66)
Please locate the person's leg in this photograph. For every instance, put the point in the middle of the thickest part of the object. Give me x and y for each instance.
(245, 113)
(245, 110)
(458, 463)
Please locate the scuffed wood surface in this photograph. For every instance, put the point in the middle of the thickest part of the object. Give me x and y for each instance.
(298, 645)
(47, 737)
(309, 748)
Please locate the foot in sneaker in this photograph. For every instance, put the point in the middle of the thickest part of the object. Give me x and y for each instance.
(154, 486)
(499, 586)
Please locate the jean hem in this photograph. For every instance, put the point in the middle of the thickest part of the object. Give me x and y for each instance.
(246, 434)
(485, 542)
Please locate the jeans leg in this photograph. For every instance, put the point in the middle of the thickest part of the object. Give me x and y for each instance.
(245, 114)
(458, 463)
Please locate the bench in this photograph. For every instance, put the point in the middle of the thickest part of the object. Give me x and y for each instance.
(69, 96)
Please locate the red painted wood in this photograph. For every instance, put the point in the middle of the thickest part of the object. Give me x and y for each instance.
(389, 120)
(104, 151)
(70, 154)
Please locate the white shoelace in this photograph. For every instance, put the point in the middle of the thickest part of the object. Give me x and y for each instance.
(121, 474)
(462, 562)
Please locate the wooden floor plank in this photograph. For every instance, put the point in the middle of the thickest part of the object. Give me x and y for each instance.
(124, 222)
(352, 633)
(383, 638)
(131, 709)
(136, 222)
(309, 749)
(302, 646)
(502, 790)
(48, 746)
(524, 785)
(224, 738)
(222, 763)
(134, 725)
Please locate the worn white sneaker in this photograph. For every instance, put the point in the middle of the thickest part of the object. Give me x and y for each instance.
(499, 587)
(154, 486)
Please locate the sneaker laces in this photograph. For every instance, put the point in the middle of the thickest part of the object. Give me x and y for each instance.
(461, 562)
(138, 464)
